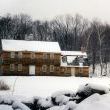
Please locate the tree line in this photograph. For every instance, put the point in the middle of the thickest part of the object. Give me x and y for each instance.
(72, 32)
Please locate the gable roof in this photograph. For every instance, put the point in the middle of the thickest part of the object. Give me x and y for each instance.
(35, 46)
(73, 53)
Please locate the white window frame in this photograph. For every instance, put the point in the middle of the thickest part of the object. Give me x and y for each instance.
(20, 67)
(44, 68)
(12, 54)
(52, 68)
(20, 54)
(12, 67)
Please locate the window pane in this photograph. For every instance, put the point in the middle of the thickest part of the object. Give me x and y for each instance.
(44, 68)
(12, 54)
(12, 66)
(44, 55)
(20, 54)
(19, 67)
(51, 68)
(32, 55)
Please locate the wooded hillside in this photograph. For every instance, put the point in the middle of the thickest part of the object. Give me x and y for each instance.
(72, 33)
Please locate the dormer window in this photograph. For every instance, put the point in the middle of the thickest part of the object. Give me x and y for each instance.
(12, 54)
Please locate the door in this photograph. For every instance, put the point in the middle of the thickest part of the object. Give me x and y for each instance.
(73, 71)
(31, 69)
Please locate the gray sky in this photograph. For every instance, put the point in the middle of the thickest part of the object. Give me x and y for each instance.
(48, 9)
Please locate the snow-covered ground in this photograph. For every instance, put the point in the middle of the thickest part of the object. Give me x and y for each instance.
(25, 89)
(45, 86)
(105, 71)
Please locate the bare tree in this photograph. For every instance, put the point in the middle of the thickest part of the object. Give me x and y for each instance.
(100, 29)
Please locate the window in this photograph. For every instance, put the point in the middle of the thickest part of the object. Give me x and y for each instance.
(19, 54)
(44, 55)
(52, 56)
(12, 54)
(19, 67)
(64, 59)
(32, 55)
(44, 68)
(12, 67)
(51, 68)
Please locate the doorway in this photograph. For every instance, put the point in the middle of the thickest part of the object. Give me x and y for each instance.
(32, 70)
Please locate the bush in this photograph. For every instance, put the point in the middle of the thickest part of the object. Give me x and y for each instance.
(62, 97)
(3, 85)
(87, 90)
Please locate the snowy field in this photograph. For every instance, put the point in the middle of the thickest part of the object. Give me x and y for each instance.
(49, 93)
(45, 86)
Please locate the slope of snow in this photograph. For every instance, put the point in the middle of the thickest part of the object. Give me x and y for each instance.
(95, 102)
(27, 87)
(5, 107)
(36, 46)
(45, 86)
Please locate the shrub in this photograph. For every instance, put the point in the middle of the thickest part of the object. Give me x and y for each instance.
(3, 85)
(87, 90)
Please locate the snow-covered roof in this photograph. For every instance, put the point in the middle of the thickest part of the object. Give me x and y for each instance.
(36, 46)
(74, 53)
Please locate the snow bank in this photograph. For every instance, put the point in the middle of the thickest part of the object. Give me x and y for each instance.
(46, 103)
(62, 97)
(95, 102)
(10, 103)
(85, 91)
(5, 107)
(94, 87)
(66, 93)
(19, 106)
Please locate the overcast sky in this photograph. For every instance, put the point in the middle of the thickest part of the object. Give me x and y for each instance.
(48, 9)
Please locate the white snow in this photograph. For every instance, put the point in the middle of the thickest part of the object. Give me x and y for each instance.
(19, 106)
(97, 73)
(61, 99)
(74, 53)
(5, 107)
(45, 102)
(35, 46)
(95, 87)
(95, 102)
(58, 93)
(57, 108)
(44, 86)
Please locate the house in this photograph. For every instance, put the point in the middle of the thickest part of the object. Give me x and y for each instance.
(40, 58)
(21, 57)
(76, 62)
